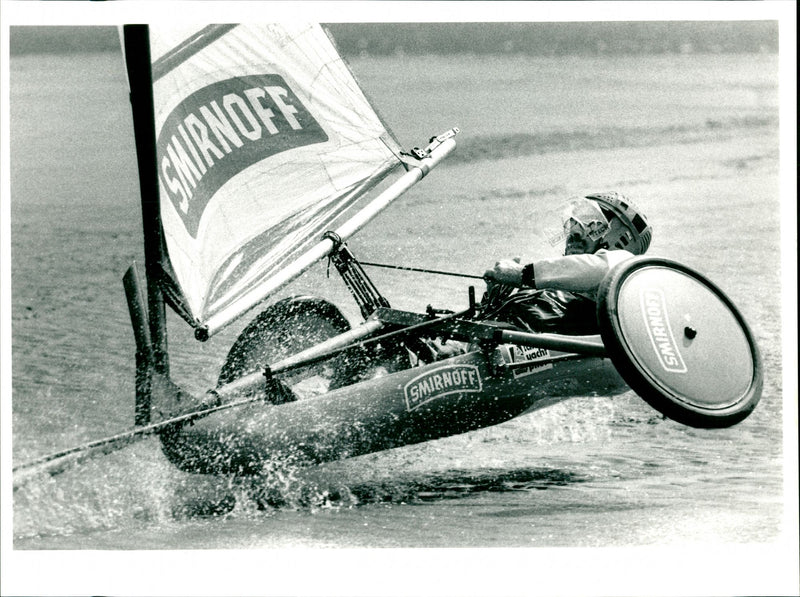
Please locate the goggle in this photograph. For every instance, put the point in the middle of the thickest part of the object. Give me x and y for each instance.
(584, 217)
(594, 229)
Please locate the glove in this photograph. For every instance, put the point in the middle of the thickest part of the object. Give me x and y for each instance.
(505, 271)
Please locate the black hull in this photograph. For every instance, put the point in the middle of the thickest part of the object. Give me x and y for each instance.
(382, 413)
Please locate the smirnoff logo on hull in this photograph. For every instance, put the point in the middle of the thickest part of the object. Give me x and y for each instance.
(441, 382)
(222, 129)
(654, 309)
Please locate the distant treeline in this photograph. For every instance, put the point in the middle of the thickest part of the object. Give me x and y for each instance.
(557, 39)
(540, 39)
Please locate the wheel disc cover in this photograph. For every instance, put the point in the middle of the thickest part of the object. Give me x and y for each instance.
(679, 342)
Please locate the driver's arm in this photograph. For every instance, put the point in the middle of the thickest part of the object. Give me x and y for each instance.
(576, 273)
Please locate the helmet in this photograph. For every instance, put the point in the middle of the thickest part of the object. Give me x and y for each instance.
(635, 234)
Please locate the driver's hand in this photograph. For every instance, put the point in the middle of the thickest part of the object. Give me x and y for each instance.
(505, 271)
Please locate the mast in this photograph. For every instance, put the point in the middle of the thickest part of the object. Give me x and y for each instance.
(137, 59)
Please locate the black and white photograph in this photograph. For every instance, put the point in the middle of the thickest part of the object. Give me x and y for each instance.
(403, 298)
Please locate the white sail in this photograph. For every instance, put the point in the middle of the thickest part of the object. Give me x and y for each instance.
(263, 139)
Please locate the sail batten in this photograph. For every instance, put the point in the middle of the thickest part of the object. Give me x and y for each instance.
(264, 141)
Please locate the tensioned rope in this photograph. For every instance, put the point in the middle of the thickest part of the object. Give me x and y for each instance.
(422, 270)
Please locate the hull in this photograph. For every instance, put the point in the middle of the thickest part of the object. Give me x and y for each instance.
(411, 406)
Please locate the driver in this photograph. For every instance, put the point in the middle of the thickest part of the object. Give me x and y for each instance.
(558, 295)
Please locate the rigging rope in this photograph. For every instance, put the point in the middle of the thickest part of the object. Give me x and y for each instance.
(424, 271)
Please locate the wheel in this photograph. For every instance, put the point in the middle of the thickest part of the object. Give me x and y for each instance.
(283, 329)
(679, 342)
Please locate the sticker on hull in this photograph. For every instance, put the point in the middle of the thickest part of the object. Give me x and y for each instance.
(537, 359)
(452, 379)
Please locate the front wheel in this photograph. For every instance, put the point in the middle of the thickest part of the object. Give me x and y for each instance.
(295, 324)
(281, 330)
(679, 342)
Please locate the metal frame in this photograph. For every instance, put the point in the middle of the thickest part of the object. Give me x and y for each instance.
(365, 293)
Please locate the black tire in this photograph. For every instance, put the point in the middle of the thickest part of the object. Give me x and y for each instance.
(283, 329)
(712, 375)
